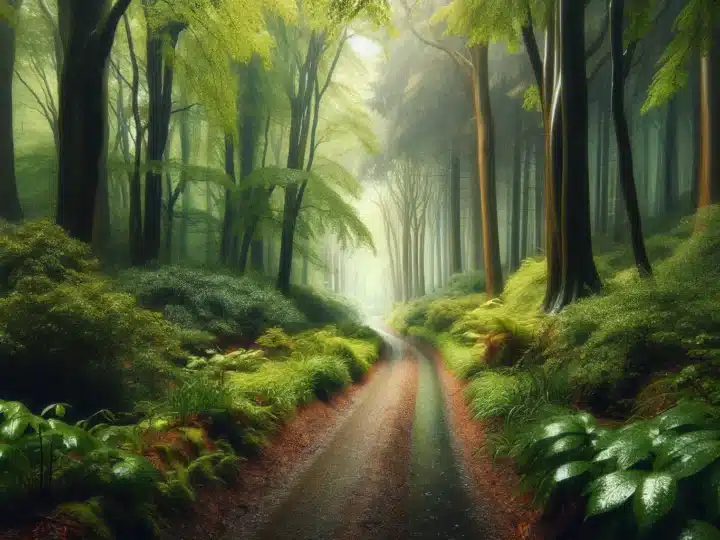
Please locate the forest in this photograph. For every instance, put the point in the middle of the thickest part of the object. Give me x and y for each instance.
(395, 259)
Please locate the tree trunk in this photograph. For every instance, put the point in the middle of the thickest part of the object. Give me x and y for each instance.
(579, 274)
(709, 188)
(88, 32)
(539, 192)
(598, 164)
(670, 171)
(525, 194)
(456, 233)
(696, 140)
(184, 229)
(228, 236)
(10, 208)
(605, 176)
(486, 170)
(160, 74)
(514, 225)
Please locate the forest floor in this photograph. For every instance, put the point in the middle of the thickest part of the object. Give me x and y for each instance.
(394, 457)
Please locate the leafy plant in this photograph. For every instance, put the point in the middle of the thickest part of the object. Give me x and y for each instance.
(655, 478)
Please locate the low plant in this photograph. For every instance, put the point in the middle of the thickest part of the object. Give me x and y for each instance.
(655, 478)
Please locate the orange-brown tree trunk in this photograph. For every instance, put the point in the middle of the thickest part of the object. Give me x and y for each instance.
(486, 170)
(709, 188)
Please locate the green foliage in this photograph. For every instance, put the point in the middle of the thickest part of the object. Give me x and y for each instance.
(322, 307)
(649, 479)
(98, 349)
(198, 395)
(277, 340)
(229, 306)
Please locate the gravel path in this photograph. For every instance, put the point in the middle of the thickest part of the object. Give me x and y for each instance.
(390, 470)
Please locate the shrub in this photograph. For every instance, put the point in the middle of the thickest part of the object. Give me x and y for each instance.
(67, 336)
(231, 307)
(650, 479)
(322, 308)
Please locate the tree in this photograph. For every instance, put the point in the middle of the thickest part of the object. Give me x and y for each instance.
(620, 55)
(474, 61)
(10, 208)
(88, 32)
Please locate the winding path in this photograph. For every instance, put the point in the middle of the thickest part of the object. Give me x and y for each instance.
(388, 471)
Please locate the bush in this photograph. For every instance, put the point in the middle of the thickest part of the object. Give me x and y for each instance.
(650, 479)
(322, 308)
(66, 336)
(231, 307)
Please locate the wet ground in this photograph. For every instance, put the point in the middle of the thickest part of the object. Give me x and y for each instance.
(389, 470)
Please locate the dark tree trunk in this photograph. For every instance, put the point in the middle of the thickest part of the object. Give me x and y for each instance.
(525, 193)
(670, 180)
(10, 208)
(456, 233)
(598, 166)
(605, 176)
(579, 274)
(539, 195)
(622, 136)
(88, 32)
(135, 217)
(184, 229)
(228, 236)
(553, 161)
(709, 188)
(695, 130)
(514, 225)
(160, 74)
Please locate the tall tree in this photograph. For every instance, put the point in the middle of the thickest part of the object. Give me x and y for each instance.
(9, 200)
(88, 32)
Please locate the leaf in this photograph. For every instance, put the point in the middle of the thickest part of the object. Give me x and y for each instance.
(672, 446)
(654, 498)
(59, 409)
(691, 413)
(699, 530)
(630, 448)
(612, 490)
(565, 444)
(696, 459)
(10, 409)
(572, 470)
(562, 426)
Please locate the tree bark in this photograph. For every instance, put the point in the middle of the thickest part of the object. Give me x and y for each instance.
(456, 233)
(486, 170)
(670, 170)
(579, 274)
(709, 188)
(88, 32)
(10, 208)
(525, 201)
(160, 74)
(514, 228)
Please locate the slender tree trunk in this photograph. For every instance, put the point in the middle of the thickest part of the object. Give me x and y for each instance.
(670, 172)
(622, 136)
(228, 235)
(525, 194)
(184, 228)
(456, 233)
(486, 170)
(10, 208)
(514, 228)
(579, 274)
(88, 32)
(599, 164)
(160, 74)
(539, 192)
(709, 188)
(696, 137)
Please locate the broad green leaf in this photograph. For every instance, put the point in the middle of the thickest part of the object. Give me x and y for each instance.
(654, 498)
(572, 469)
(632, 447)
(134, 473)
(9, 409)
(673, 446)
(686, 414)
(57, 408)
(694, 459)
(612, 490)
(588, 420)
(12, 460)
(562, 426)
(699, 530)
(565, 444)
(73, 438)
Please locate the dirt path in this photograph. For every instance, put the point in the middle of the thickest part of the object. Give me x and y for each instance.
(393, 459)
